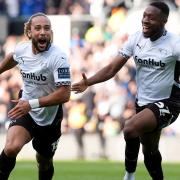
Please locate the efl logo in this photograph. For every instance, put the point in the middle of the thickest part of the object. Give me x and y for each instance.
(63, 73)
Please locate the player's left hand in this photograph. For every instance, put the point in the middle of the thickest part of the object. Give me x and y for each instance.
(22, 107)
(80, 86)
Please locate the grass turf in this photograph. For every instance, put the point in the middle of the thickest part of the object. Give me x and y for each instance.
(89, 170)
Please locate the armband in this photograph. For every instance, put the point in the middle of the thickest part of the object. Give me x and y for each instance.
(34, 103)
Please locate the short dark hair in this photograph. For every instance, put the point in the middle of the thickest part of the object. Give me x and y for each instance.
(162, 6)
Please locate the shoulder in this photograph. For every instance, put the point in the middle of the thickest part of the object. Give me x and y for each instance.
(57, 53)
(172, 37)
(173, 40)
(21, 46)
(57, 56)
(136, 36)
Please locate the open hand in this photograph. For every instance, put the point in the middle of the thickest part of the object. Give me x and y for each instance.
(80, 86)
(21, 108)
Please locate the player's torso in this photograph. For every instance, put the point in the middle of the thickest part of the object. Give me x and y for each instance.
(37, 73)
(155, 64)
(35, 70)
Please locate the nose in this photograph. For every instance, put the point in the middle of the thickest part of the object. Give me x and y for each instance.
(145, 20)
(42, 31)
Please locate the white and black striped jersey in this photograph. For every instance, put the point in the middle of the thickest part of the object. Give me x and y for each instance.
(42, 74)
(158, 66)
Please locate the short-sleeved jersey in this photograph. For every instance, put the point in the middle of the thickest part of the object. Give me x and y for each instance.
(157, 63)
(42, 74)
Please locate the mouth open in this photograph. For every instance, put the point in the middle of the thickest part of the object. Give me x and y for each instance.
(146, 29)
(42, 43)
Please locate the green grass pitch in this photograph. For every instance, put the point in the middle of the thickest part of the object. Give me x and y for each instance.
(89, 170)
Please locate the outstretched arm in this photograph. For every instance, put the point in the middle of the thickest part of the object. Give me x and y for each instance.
(7, 63)
(102, 75)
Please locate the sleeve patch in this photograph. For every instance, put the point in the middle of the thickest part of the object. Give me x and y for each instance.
(63, 73)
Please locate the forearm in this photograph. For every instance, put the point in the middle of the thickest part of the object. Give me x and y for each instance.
(7, 63)
(60, 96)
(108, 71)
(101, 76)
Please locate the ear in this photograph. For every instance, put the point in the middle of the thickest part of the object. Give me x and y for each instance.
(51, 36)
(164, 20)
(29, 34)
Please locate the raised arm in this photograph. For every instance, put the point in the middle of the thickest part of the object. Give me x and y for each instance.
(7, 63)
(102, 75)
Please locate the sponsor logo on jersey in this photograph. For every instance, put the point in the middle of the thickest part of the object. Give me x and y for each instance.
(33, 76)
(63, 73)
(150, 63)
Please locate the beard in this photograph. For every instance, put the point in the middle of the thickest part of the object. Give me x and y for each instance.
(37, 45)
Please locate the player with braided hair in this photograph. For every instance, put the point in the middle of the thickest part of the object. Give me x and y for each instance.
(38, 112)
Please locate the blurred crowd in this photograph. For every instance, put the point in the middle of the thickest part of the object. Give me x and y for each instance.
(25, 8)
(103, 107)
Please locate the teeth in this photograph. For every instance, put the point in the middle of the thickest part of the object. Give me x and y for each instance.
(145, 27)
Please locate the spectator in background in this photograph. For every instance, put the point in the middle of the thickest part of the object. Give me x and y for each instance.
(29, 7)
(12, 8)
(4, 100)
(53, 6)
(77, 118)
(2, 7)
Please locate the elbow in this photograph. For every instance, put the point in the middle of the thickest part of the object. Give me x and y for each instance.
(66, 97)
(61, 100)
(63, 95)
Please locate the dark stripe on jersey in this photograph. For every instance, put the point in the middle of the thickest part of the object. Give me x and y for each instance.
(175, 98)
(175, 93)
(177, 72)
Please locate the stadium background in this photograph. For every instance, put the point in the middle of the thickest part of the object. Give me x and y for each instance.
(90, 32)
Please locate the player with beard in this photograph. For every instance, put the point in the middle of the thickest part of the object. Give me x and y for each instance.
(38, 113)
(157, 57)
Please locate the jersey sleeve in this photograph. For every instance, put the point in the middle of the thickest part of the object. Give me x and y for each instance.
(18, 50)
(16, 53)
(61, 71)
(128, 46)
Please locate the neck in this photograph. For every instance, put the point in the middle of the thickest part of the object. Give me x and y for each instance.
(157, 35)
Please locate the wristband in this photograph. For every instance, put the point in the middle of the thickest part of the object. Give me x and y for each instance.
(34, 103)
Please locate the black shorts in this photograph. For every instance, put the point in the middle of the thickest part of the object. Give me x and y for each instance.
(44, 138)
(163, 110)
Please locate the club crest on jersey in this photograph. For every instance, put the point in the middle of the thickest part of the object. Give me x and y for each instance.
(63, 73)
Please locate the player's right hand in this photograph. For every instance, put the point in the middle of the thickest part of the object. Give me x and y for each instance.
(22, 108)
(80, 86)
